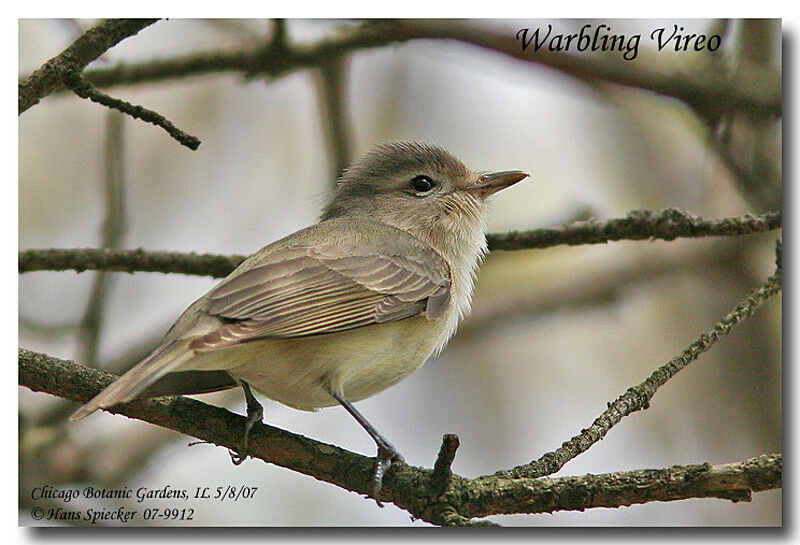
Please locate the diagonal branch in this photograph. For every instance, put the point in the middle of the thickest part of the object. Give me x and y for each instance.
(638, 397)
(93, 43)
(76, 82)
(638, 225)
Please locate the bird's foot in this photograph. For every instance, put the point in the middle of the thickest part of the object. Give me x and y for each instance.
(255, 414)
(387, 454)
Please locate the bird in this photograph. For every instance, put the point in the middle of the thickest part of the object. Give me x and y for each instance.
(343, 309)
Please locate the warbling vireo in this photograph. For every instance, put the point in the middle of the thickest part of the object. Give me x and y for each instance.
(343, 309)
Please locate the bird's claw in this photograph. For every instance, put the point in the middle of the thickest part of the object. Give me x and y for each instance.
(387, 454)
(255, 414)
(237, 457)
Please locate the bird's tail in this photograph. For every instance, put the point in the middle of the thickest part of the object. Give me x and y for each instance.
(127, 387)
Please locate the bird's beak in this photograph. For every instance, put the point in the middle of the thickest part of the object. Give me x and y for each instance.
(489, 184)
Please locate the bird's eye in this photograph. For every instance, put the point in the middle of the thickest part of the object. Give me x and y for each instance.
(421, 184)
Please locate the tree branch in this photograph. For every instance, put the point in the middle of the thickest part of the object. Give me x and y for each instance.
(337, 129)
(65, 70)
(129, 261)
(638, 225)
(113, 227)
(638, 397)
(93, 43)
(417, 490)
(755, 93)
(734, 482)
(76, 82)
(668, 224)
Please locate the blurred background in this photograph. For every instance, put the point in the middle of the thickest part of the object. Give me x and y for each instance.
(554, 334)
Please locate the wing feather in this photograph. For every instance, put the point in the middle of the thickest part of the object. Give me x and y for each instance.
(304, 290)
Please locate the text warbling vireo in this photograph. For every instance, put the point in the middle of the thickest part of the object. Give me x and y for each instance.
(343, 309)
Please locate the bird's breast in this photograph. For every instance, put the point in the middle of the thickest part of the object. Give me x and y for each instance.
(357, 364)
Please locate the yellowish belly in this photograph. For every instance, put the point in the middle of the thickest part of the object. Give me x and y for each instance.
(358, 363)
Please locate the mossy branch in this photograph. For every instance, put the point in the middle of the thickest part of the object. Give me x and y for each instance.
(436, 496)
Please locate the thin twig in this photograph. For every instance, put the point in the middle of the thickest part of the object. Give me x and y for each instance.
(76, 82)
(280, 38)
(638, 397)
(638, 225)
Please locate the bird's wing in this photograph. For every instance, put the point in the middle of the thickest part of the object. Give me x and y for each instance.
(304, 290)
(294, 288)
